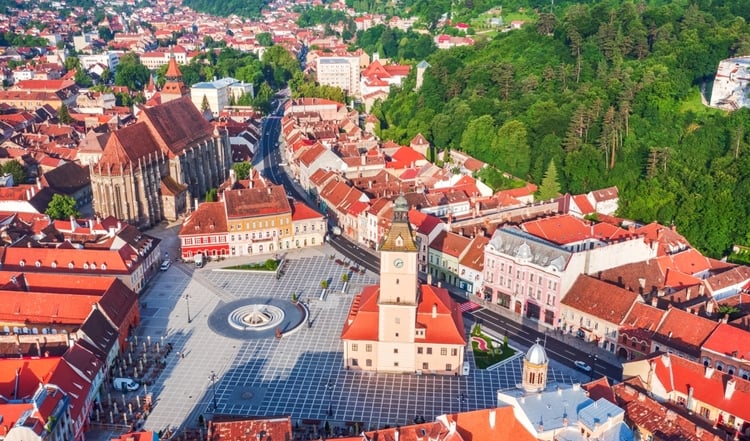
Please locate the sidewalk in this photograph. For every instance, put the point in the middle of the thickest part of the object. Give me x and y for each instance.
(566, 339)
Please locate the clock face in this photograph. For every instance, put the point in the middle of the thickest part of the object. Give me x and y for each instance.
(398, 263)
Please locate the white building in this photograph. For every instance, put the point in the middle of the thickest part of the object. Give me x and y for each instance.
(341, 72)
(109, 59)
(218, 93)
(730, 85)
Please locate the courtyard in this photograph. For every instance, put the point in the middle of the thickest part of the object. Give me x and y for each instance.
(301, 374)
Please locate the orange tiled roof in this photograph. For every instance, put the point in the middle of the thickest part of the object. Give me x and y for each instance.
(600, 299)
(684, 331)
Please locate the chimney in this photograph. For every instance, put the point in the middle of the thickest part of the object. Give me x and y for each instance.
(38, 183)
(659, 233)
(72, 223)
(701, 289)
(396, 434)
(364, 162)
(429, 279)
(725, 319)
(232, 176)
(493, 416)
(687, 294)
(654, 301)
(708, 372)
(731, 383)
(689, 403)
(434, 310)
(452, 428)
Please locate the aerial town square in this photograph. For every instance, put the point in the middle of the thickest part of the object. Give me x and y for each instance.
(294, 220)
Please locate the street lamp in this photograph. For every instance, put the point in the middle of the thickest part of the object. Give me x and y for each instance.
(212, 377)
(330, 387)
(593, 365)
(187, 303)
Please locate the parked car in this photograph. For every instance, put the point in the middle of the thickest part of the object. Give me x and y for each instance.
(582, 366)
(165, 265)
(125, 384)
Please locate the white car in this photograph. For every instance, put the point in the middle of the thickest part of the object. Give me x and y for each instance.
(165, 265)
(582, 366)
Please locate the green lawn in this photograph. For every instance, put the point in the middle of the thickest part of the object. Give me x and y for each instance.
(268, 265)
(485, 359)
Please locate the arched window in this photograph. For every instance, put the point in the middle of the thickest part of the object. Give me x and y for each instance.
(71, 266)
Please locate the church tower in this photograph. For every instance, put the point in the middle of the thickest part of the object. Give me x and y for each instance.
(398, 296)
(173, 88)
(535, 364)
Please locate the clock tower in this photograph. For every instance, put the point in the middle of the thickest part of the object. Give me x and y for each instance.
(398, 259)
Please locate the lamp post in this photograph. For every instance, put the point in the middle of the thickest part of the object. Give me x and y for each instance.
(593, 365)
(212, 377)
(187, 303)
(330, 387)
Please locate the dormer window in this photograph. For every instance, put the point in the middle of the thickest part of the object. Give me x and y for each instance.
(22, 263)
(71, 265)
(53, 264)
(38, 263)
(86, 265)
(399, 241)
(104, 267)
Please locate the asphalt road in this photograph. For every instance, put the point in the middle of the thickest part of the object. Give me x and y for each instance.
(269, 160)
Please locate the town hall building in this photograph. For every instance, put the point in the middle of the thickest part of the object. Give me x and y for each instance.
(402, 325)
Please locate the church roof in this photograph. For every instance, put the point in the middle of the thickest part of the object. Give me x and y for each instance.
(177, 124)
(399, 237)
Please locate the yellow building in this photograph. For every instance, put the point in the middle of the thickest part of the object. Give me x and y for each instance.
(259, 220)
(402, 325)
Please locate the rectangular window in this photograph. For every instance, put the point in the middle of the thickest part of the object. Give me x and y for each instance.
(355, 347)
(454, 352)
(368, 363)
(397, 320)
(395, 350)
(425, 366)
(429, 351)
(395, 364)
(368, 348)
(443, 351)
(419, 350)
(448, 367)
(355, 362)
(531, 277)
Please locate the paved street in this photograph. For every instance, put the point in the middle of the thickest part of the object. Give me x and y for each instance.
(300, 374)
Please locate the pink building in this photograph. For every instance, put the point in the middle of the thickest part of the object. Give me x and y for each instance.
(529, 269)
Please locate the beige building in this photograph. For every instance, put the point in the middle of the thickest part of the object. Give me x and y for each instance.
(341, 72)
(402, 325)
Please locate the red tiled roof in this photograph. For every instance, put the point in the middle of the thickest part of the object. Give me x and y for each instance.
(562, 229)
(208, 218)
(448, 326)
(729, 341)
(31, 372)
(451, 244)
(600, 299)
(301, 211)
(678, 374)
(229, 428)
(684, 331)
(256, 202)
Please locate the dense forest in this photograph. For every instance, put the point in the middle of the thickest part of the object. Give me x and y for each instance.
(243, 8)
(610, 94)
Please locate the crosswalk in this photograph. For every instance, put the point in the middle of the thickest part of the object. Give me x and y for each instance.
(469, 306)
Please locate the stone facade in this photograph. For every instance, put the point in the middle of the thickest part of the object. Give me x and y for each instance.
(151, 170)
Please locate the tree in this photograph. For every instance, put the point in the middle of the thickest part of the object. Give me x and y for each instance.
(204, 104)
(16, 170)
(211, 195)
(242, 169)
(63, 115)
(264, 39)
(550, 187)
(62, 207)
(131, 73)
(512, 148)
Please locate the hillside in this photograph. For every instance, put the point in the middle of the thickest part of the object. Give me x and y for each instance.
(610, 93)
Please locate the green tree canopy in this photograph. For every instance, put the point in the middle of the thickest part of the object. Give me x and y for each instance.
(16, 170)
(131, 73)
(62, 207)
(242, 169)
(549, 188)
